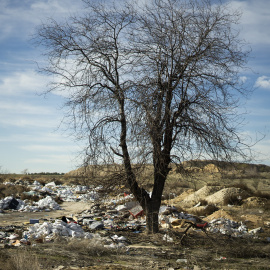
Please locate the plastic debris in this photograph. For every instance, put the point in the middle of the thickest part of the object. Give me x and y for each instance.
(167, 238)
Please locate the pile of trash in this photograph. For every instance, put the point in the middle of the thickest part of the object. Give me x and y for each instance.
(67, 193)
(48, 231)
(11, 203)
(232, 228)
(46, 204)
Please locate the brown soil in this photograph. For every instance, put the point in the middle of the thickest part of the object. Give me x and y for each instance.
(197, 249)
(17, 218)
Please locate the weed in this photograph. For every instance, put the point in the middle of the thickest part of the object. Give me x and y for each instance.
(33, 198)
(233, 200)
(23, 260)
(90, 246)
(11, 190)
(262, 195)
(203, 202)
(242, 186)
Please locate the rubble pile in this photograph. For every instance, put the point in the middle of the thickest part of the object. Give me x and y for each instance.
(59, 228)
(231, 228)
(68, 193)
(11, 203)
(45, 204)
(48, 231)
(113, 214)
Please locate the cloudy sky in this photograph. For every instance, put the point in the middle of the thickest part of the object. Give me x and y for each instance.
(29, 134)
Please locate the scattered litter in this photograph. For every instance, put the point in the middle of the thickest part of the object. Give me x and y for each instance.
(256, 231)
(181, 261)
(136, 211)
(33, 221)
(221, 258)
(167, 238)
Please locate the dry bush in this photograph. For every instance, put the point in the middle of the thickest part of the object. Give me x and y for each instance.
(91, 247)
(58, 200)
(266, 206)
(213, 184)
(203, 202)
(260, 194)
(27, 178)
(233, 200)
(11, 190)
(23, 260)
(33, 198)
(243, 186)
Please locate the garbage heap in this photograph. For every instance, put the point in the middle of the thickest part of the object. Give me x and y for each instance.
(46, 204)
(100, 222)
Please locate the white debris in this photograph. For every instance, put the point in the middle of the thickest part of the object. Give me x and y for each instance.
(46, 189)
(59, 227)
(121, 208)
(36, 183)
(5, 203)
(256, 231)
(48, 203)
(51, 185)
(230, 227)
(167, 238)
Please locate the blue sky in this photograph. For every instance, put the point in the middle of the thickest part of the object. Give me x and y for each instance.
(29, 134)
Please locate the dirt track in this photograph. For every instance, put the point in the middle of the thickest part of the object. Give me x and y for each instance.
(18, 218)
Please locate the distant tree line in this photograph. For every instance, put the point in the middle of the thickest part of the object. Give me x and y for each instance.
(46, 173)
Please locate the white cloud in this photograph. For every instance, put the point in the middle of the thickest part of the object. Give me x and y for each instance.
(20, 108)
(255, 20)
(243, 79)
(49, 148)
(27, 14)
(263, 82)
(27, 122)
(19, 83)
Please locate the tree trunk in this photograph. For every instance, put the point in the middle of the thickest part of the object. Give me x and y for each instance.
(152, 211)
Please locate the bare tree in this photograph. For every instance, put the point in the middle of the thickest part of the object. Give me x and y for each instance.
(151, 83)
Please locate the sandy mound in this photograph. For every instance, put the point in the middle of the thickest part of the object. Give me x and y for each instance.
(254, 202)
(201, 194)
(211, 168)
(179, 198)
(220, 196)
(220, 214)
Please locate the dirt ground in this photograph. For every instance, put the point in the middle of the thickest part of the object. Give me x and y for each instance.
(196, 250)
(17, 218)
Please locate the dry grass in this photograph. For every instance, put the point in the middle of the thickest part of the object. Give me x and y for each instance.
(11, 190)
(23, 260)
(233, 200)
(91, 247)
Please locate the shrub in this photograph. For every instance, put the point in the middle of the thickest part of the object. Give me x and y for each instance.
(91, 247)
(243, 187)
(233, 200)
(262, 195)
(11, 190)
(33, 198)
(23, 260)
